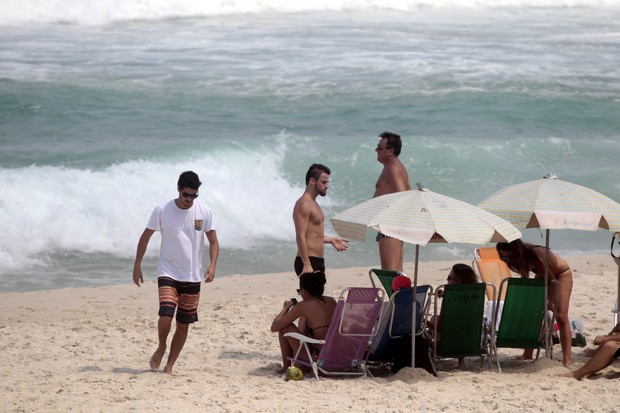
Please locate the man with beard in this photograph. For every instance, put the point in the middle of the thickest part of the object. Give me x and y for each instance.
(309, 219)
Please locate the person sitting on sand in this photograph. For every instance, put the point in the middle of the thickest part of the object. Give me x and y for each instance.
(314, 312)
(459, 274)
(607, 352)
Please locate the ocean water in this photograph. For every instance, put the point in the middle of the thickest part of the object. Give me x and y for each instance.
(103, 104)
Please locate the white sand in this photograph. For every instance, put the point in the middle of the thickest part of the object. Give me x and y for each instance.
(88, 350)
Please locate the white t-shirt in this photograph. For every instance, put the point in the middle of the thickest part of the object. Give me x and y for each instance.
(182, 239)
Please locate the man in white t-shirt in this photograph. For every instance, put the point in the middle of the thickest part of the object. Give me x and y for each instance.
(182, 223)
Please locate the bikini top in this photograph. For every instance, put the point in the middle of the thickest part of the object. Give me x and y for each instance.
(310, 331)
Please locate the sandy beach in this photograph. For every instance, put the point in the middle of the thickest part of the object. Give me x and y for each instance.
(88, 349)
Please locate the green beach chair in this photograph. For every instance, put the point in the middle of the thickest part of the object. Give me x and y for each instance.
(522, 315)
(460, 329)
(385, 277)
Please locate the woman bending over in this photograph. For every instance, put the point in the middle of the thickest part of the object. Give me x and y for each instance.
(524, 258)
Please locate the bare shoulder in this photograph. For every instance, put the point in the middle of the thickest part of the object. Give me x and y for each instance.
(398, 176)
(304, 203)
(540, 251)
(330, 299)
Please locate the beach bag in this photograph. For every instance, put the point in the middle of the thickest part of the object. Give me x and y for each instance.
(578, 339)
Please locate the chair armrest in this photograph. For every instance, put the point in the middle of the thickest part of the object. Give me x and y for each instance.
(304, 339)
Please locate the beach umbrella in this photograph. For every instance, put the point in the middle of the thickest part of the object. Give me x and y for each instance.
(420, 216)
(550, 203)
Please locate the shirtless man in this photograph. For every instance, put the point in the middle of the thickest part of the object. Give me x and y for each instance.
(606, 353)
(308, 218)
(393, 178)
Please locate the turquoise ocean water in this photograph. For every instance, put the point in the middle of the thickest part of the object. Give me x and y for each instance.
(103, 104)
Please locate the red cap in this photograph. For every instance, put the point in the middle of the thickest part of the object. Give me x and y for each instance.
(400, 281)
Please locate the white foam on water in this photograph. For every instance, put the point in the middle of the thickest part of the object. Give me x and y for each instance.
(47, 210)
(102, 12)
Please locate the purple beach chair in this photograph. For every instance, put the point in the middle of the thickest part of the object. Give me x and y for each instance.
(346, 345)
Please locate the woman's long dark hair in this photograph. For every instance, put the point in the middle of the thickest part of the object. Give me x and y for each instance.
(523, 258)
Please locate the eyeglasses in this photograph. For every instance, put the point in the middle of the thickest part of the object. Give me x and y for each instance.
(380, 148)
(189, 196)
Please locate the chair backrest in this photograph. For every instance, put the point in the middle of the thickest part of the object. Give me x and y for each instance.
(401, 320)
(523, 313)
(353, 324)
(491, 268)
(385, 278)
(396, 321)
(462, 319)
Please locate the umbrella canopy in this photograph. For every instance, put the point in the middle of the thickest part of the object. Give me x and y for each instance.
(550, 203)
(421, 216)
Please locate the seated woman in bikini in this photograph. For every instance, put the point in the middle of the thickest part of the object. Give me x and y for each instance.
(524, 258)
(314, 313)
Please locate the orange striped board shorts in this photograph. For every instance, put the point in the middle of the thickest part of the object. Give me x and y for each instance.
(180, 296)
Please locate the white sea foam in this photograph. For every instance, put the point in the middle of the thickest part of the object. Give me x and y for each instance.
(48, 210)
(101, 12)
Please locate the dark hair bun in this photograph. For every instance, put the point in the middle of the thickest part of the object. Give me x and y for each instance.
(313, 282)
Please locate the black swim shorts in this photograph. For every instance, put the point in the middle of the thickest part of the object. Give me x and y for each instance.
(380, 235)
(318, 264)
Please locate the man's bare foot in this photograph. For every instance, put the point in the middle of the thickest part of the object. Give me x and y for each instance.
(523, 358)
(569, 374)
(168, 370)
(156, 359)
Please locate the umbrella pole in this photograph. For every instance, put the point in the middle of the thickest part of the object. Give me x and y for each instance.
(616, 320)
(414, 302)
(546, 319)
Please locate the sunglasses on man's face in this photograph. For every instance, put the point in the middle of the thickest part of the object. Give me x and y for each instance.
(189, 196)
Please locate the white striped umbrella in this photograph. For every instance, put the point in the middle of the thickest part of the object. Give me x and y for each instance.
(550, 203)
(421, 216)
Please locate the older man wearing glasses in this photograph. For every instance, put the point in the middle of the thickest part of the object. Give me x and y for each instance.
(393, 178)
(183, 224)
